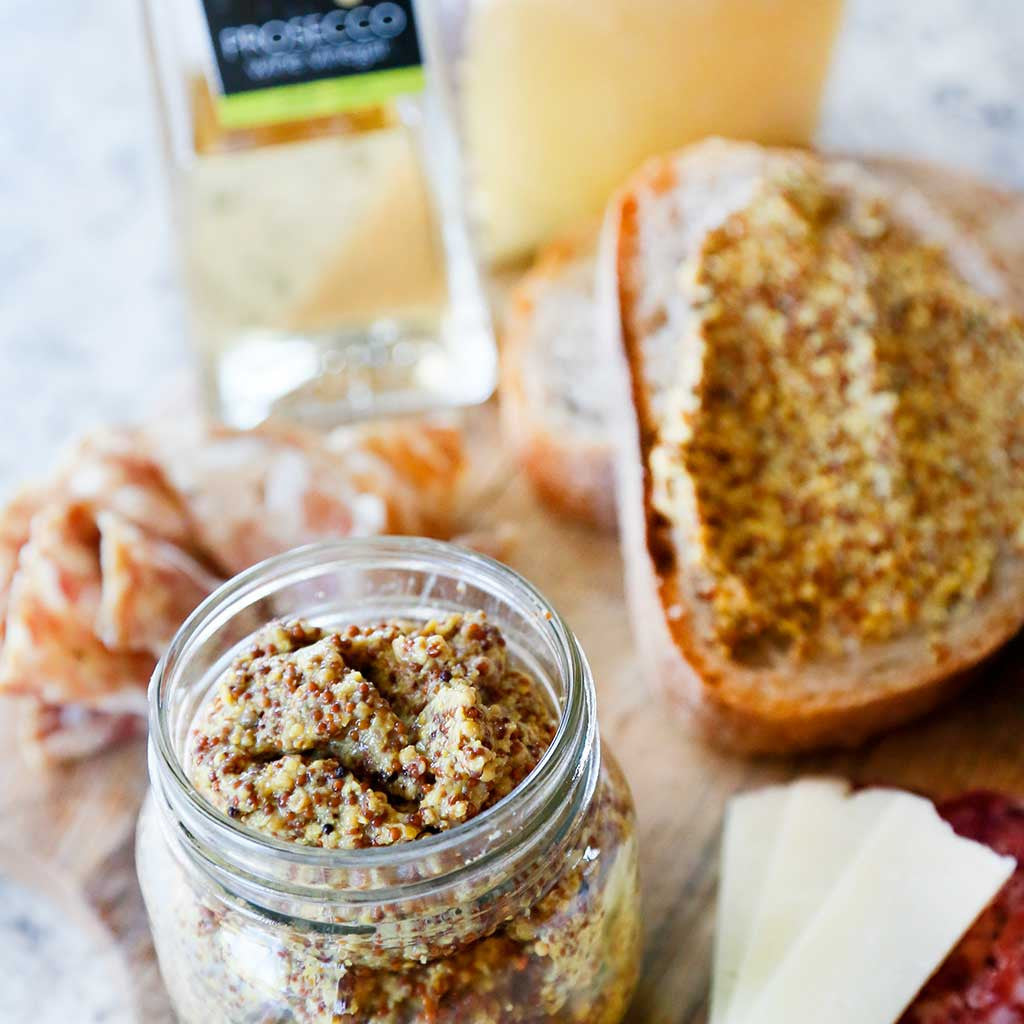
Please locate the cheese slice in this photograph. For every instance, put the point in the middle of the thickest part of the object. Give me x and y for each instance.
(752, 823)
(822, 831)
(909, 894)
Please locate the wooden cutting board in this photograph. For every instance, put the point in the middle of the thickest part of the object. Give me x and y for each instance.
(76, 825)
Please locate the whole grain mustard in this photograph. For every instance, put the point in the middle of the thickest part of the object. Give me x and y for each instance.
(369, 735)
(850, 455)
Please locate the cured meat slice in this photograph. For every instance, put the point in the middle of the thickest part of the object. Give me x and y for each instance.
(113, 469)
(15, 523)
(416, 471)
(80, 693)
(982, 980)
(148, 586)
(66, 732)
(51, 651)
(253, 494)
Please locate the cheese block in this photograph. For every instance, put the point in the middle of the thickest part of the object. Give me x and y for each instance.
(909, 894)
(562, 99)
(752, 823)
(822, 831)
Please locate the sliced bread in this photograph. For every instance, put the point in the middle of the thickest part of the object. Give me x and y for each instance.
(554, 381)
(820, 443)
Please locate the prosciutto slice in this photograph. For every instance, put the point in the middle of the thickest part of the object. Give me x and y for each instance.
(416, 472)
(149, 586)
(69, 731)
(252, 494)
(15, 523)
(51, 651)
(114, 469)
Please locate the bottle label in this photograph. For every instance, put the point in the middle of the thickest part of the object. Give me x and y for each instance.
(288, 60)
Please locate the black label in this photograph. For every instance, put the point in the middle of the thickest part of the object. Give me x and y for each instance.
(259, 44)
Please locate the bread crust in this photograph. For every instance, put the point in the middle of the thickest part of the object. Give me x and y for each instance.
(573, 475)
(772, 716)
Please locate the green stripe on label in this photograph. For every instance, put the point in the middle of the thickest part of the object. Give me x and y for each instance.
(316, 99)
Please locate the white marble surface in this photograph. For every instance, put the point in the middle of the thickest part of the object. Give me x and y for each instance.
(90, 319)
(91, 324)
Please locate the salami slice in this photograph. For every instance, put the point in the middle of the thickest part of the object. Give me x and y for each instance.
(982, 981)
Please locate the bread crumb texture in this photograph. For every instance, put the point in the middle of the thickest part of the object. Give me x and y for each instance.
(369, 735)
(848, 461)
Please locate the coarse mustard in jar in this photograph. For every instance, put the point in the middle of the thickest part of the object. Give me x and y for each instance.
(379, 795)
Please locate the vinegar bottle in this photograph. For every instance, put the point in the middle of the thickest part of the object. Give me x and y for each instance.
(317, 191)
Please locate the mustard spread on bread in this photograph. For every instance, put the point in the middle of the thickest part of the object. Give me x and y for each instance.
(847, 459)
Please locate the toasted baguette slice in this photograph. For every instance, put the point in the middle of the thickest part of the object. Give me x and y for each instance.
(554, 377)
(554, 383)
(767, 697)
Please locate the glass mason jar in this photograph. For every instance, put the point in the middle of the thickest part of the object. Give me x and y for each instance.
(317, 189)
(527, 913)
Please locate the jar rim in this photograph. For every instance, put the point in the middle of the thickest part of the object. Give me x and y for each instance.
(503, 822)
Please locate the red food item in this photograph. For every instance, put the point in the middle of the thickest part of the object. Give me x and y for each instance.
(982, 980)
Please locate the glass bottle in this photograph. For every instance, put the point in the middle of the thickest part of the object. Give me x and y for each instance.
(317, 190)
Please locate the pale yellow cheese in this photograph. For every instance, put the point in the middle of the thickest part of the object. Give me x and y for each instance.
(561, 99)
(905, 899)
(752, 825)
(822, 831)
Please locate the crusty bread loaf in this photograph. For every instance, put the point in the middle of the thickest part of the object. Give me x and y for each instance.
(819, 543)
(554, 382)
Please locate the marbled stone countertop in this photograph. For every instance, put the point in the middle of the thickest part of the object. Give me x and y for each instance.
(91, 322)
